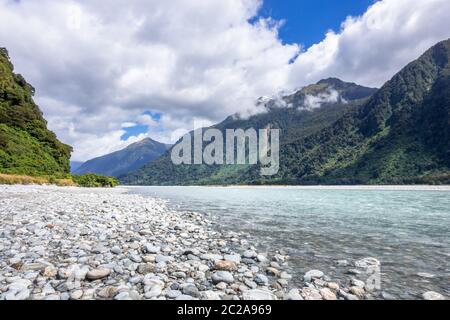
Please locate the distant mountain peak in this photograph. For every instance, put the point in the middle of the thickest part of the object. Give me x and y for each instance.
(143, 142)
(336, 82)
(326, 91)
(126, 160)
(398, 134)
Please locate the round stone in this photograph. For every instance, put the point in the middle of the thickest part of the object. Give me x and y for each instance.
(116, 250)
(313, 274)
(76, 295)
(261, 279)
(98, 274)
(249, 254)
(293, 294)
(258, 295)
(225, 265)
(327, 294)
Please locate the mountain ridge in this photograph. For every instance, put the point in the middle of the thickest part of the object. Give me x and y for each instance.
(393, 137)
(287, 113)
(384, 141)
(125, 160)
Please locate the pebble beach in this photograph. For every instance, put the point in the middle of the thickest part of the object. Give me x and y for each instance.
(84, 244)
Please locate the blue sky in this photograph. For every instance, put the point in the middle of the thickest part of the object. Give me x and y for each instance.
(306, 21)
(140, 128)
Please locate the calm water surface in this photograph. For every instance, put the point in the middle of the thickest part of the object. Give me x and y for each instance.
(407, 230)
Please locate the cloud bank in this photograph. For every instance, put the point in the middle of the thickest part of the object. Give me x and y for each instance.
(98, 69)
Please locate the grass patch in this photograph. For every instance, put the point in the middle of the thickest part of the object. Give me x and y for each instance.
(87, 180)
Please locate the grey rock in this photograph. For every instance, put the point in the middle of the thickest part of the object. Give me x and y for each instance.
(283, 282)
(261, 258)
(222, 276)
(123, 296)
(152, 249)
(98, 274)
(358, 283)
(191, 290)
(16, 295)
(135, 258)
(160, 258)
(179, 275)
(116, 250)
(107, 292)
(258, 295)
(431, 295)
(342, 263)
(173, 294)
(249, 254)
(76, 295)
(155, 291)
(313, 274)
(387, 296)
(34, 267)
(293, 294)
(211, 295)
(426, 275)
(261, 279)
(367, 263)
(211, 257)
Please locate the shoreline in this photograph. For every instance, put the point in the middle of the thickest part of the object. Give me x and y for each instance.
(77, 243)
(315, 187)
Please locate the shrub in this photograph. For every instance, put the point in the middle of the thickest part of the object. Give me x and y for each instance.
(91, 180)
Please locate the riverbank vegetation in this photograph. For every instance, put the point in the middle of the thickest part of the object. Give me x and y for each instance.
(87, 180)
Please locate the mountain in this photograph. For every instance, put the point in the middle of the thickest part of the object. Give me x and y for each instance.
(400, 135)
(297, 115)
(74, 165)
(124, 161)
(26, 145)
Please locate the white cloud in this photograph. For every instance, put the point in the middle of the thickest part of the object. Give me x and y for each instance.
(102, 65)
(370, 49)
(147, 120)
(316, 101)
(98, 67)
(128, 125)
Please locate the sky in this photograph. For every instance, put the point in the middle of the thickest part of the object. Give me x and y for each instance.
(110, 75)
(305, 28)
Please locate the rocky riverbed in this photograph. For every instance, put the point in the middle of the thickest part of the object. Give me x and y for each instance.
(72, 243)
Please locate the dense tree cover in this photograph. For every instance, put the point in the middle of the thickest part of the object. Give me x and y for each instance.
(29, 152)
(293, 119)
(26, 145)
(401, 135)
